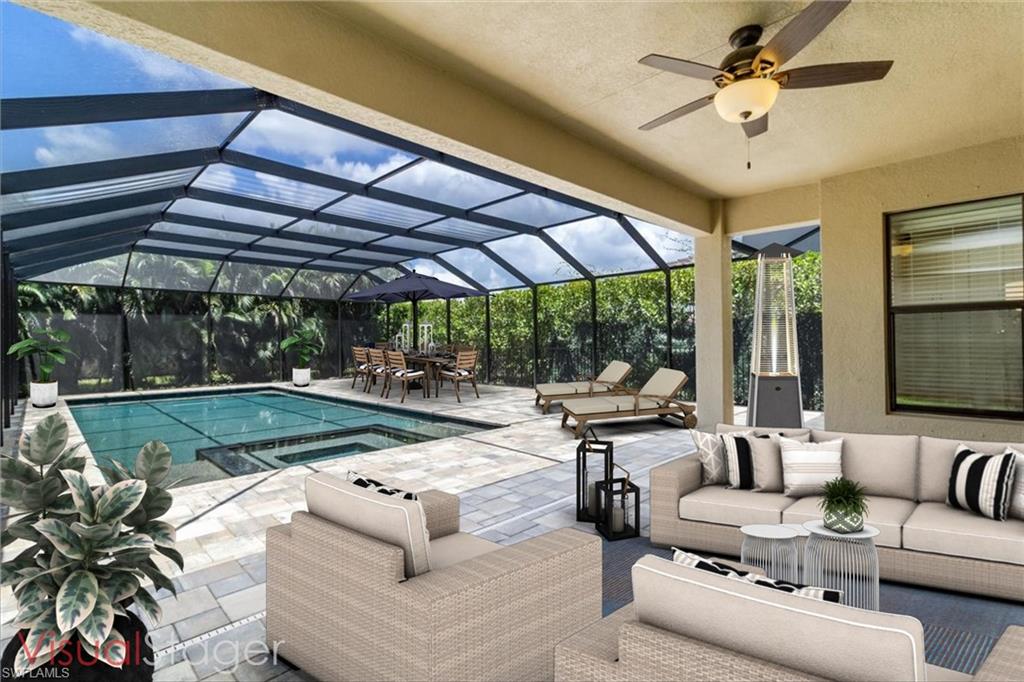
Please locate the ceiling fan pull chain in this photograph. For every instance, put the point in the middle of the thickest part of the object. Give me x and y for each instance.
(748, 153)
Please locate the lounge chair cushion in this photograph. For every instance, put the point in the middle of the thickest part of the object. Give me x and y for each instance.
(570, 388)
(615, 372)
(627, 403)
(664, 383)
(936, 461)
(940, 529)
(729, 507)
(456, 548)
(885, 465)
(887, 514)
(387, 518)
(832, 641)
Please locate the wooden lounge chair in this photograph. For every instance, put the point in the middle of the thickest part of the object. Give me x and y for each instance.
(657, 398)
(608, 381)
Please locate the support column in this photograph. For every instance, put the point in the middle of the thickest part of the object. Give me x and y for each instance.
(713, 294)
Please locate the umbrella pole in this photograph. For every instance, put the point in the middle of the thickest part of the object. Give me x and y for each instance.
(415, 324)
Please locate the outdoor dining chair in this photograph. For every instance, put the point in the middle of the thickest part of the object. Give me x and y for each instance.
(463, 370)
(378, 367)
(399, 371)
(361, 359)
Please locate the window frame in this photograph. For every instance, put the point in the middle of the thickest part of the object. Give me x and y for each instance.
(892, 406)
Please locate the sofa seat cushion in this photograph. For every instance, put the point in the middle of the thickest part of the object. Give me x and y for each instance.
(387, 518)
(456, 548)
(940, 529)
(885, 465)
(887, 514)
(718, 504)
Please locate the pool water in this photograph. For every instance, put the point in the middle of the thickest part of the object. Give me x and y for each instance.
(229, 434)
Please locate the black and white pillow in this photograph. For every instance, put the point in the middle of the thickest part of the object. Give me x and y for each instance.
(739, 459)
(1017, 494)
(377, 486)
(981, 483)
(685, 558)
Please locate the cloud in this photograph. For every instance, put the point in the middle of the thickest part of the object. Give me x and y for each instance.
(77, 144)
(160, 70)
(360, 171)
(448, 185)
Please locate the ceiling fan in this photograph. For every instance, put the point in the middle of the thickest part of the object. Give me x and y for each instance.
(749, 80)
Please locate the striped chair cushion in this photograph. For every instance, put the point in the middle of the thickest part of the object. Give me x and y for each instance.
(362, 365)
(807, 467)
(685, 558)
(378, 487)
(380, 369)
(407, 373)
(455, 372)
(981, 483)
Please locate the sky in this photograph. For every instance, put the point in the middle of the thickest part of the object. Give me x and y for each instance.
(42, 56)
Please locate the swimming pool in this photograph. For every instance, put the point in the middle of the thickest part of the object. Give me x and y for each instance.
(218, 435)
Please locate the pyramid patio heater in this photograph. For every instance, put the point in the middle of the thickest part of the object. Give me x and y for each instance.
(774, 398)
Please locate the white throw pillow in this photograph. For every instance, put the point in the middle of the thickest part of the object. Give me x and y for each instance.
(712, 457)
(806, 467)
(1017, 491)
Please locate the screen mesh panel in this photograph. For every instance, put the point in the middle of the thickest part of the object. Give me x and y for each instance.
(232, 214)
(469, 327)
(319, 284)
(602, 246)
(564, 332)
(437, 182)
(535, 259)
(430, 268)
(256, 185)
(159, 271)
(631, 323)
(374, 210)
(87, 191)
(107, 272)
(675, 248)
(179, 230)
(359, 327)
(251, 278)
(684, 332)
(327, 363)
(165, 338)
(481, 268)
(512, 337)
(433, 312)
(244, 331)
(534, 210)
(82, 221)
(331, 231)
(463, 229)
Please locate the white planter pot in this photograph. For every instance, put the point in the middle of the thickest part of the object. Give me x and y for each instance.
(300, 377)
(43, 395)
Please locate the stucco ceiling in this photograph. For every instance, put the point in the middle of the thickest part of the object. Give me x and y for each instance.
(957, 79)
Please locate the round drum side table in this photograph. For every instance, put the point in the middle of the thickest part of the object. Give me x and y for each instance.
(843, 561)
(773, 548)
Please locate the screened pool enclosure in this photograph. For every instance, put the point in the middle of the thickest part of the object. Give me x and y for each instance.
(232, 215)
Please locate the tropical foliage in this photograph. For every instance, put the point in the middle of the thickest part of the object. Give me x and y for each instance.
(46, 347)
(307, 341)
(845, 497)
(87, 548)
(136, 338)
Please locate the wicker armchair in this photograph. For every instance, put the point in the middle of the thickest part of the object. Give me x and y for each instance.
(339, 606)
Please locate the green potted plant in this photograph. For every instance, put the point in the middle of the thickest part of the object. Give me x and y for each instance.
(307, 341)
(83, 554)
(49, 348)
(843, 504)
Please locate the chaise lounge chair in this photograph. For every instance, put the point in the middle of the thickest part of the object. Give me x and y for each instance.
(657, 398)
(608, 381)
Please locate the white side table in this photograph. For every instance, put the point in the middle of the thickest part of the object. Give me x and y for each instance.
(843, 561)
(773, 548)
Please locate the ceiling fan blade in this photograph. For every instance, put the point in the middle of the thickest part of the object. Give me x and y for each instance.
(756, 127)
(822, 75)
(683, 67)
(795, 35)
(678, 113)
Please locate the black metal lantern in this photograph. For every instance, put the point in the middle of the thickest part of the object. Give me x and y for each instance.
(619, 503)
(593, 464)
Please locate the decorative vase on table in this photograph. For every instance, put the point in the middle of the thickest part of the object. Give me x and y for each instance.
(844, 504)
(843, 521)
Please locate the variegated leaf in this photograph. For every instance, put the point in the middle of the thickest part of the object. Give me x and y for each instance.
(67, 460)
(174, 555)
(41, 494)
(113, 651)
(144, 600)
(43, 642)
(97, 532)
(31, 593)
(120, 586)
(124, 543)
(119, 500)
(12, 493)
(30, 613)
(76, 599)
(81, 493)
(16, 470)
(64, 504)
(97, 625)
(119, 610)
(163, 533)
(154, 573)
(48, 440)
(62, 537)
(38, 573)
(153, 462)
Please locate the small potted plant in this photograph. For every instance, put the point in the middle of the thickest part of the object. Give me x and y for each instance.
(82, 555)
(843, 504)
(306, 341)
(49, 348)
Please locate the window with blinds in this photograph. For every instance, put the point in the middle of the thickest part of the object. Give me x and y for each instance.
(956, 292)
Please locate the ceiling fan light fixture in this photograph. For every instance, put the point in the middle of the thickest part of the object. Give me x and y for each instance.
(746, 100)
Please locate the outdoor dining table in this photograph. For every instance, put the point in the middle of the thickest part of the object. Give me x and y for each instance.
(430, 363)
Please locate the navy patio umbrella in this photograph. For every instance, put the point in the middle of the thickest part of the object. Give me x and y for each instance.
(413, 287)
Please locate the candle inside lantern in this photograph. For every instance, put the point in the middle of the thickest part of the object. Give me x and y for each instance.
(618, 519)
(592, 507)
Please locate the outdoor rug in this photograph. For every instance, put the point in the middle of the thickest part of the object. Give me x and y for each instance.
(959, 630)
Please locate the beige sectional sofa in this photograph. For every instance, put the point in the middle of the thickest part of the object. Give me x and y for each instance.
(426, 603)
(921, 540)
(688, 624)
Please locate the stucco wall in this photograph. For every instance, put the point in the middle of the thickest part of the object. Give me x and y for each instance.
(853, 288)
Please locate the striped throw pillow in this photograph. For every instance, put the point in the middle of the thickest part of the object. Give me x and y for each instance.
(981, 483)
(377, 486)
(739, 460)
(685, 558)
(1017, 495)
(806, 467)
